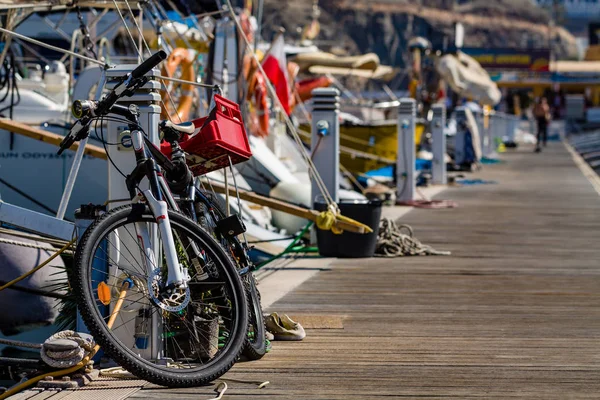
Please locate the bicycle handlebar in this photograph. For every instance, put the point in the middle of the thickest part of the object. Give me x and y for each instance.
(147, 65)
(132, 80)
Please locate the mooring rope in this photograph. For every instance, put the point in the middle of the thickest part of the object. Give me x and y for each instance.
(30, 245)
(19, 343)
(392, 242)
(37, 238)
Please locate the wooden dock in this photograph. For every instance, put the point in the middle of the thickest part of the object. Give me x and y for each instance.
(513, 313)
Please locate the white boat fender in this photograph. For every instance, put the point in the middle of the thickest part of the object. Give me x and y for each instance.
(25, 311)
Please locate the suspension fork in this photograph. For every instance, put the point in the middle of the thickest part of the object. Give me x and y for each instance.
(176, 276)
(195, 255)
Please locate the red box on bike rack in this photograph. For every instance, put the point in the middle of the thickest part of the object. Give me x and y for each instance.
(217, 136)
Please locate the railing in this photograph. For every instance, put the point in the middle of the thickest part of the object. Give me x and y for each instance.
(494, 128)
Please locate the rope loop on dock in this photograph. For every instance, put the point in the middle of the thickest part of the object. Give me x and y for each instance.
(392, 242)
(66, 349)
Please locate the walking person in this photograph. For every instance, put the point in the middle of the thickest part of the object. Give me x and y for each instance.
(541, 112)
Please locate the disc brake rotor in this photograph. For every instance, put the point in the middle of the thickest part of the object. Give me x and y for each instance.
(175, 301)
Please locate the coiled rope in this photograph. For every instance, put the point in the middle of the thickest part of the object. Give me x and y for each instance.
(392, 242)
(66, 349)
(62, 350)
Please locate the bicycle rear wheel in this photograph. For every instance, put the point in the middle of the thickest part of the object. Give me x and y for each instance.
(256, 340)
(256, 346)
(185, 337)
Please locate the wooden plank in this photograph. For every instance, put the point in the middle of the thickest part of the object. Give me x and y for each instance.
(47, 137)
(279, 205)
(513, 313)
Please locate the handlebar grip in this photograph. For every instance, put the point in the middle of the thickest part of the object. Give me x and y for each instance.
(147, 65)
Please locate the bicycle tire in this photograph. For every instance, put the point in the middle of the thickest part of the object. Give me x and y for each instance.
(254, 347)
(116, 349)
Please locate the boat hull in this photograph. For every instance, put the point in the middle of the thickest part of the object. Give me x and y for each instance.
(377, 140)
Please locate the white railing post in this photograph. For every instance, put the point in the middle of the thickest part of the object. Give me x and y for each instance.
(438, 164)
(405, 164)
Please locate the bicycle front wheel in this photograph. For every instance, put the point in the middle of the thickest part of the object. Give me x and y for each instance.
(172, 337)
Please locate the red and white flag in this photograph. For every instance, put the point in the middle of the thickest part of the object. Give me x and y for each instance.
(275, 67)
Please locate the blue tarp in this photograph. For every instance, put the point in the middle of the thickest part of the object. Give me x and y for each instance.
(388, 172)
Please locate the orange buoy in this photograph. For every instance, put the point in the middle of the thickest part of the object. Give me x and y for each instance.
(184, 59)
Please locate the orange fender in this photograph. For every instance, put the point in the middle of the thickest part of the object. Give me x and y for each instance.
(257, 96)
(306, 86)
(261, 106)
(184, 59)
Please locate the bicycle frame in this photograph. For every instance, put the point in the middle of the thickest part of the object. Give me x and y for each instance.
(146, 167)
(160, 199)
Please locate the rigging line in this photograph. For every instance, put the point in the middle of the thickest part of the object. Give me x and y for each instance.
(97, 18)
(318, 180)
(168, 78)
(210, 13)
(302, 106)
(352, 178)
(345, 91)
(138, 27)
(54, 48)
(162, 83)
(28, 197)
(275, 98)
(166, 89)
(9, 24)
(183, 18)
(56, 28)
(390, 92)
(181, 36)
(33, 51)
(156, 19)
(140, 54)
(163, 105)
(128, 31)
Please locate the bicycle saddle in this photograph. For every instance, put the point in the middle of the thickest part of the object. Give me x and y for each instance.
(184, 127)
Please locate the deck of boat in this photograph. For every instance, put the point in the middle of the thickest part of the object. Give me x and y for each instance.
(514, 312)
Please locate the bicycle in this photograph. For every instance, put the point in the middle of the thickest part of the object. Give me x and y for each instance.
(189, 306)
(202, 208)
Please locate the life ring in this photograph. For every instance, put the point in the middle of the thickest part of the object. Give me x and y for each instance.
(184, 59)
(257, 97)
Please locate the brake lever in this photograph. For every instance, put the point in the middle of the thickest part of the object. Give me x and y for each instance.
(71, 138)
